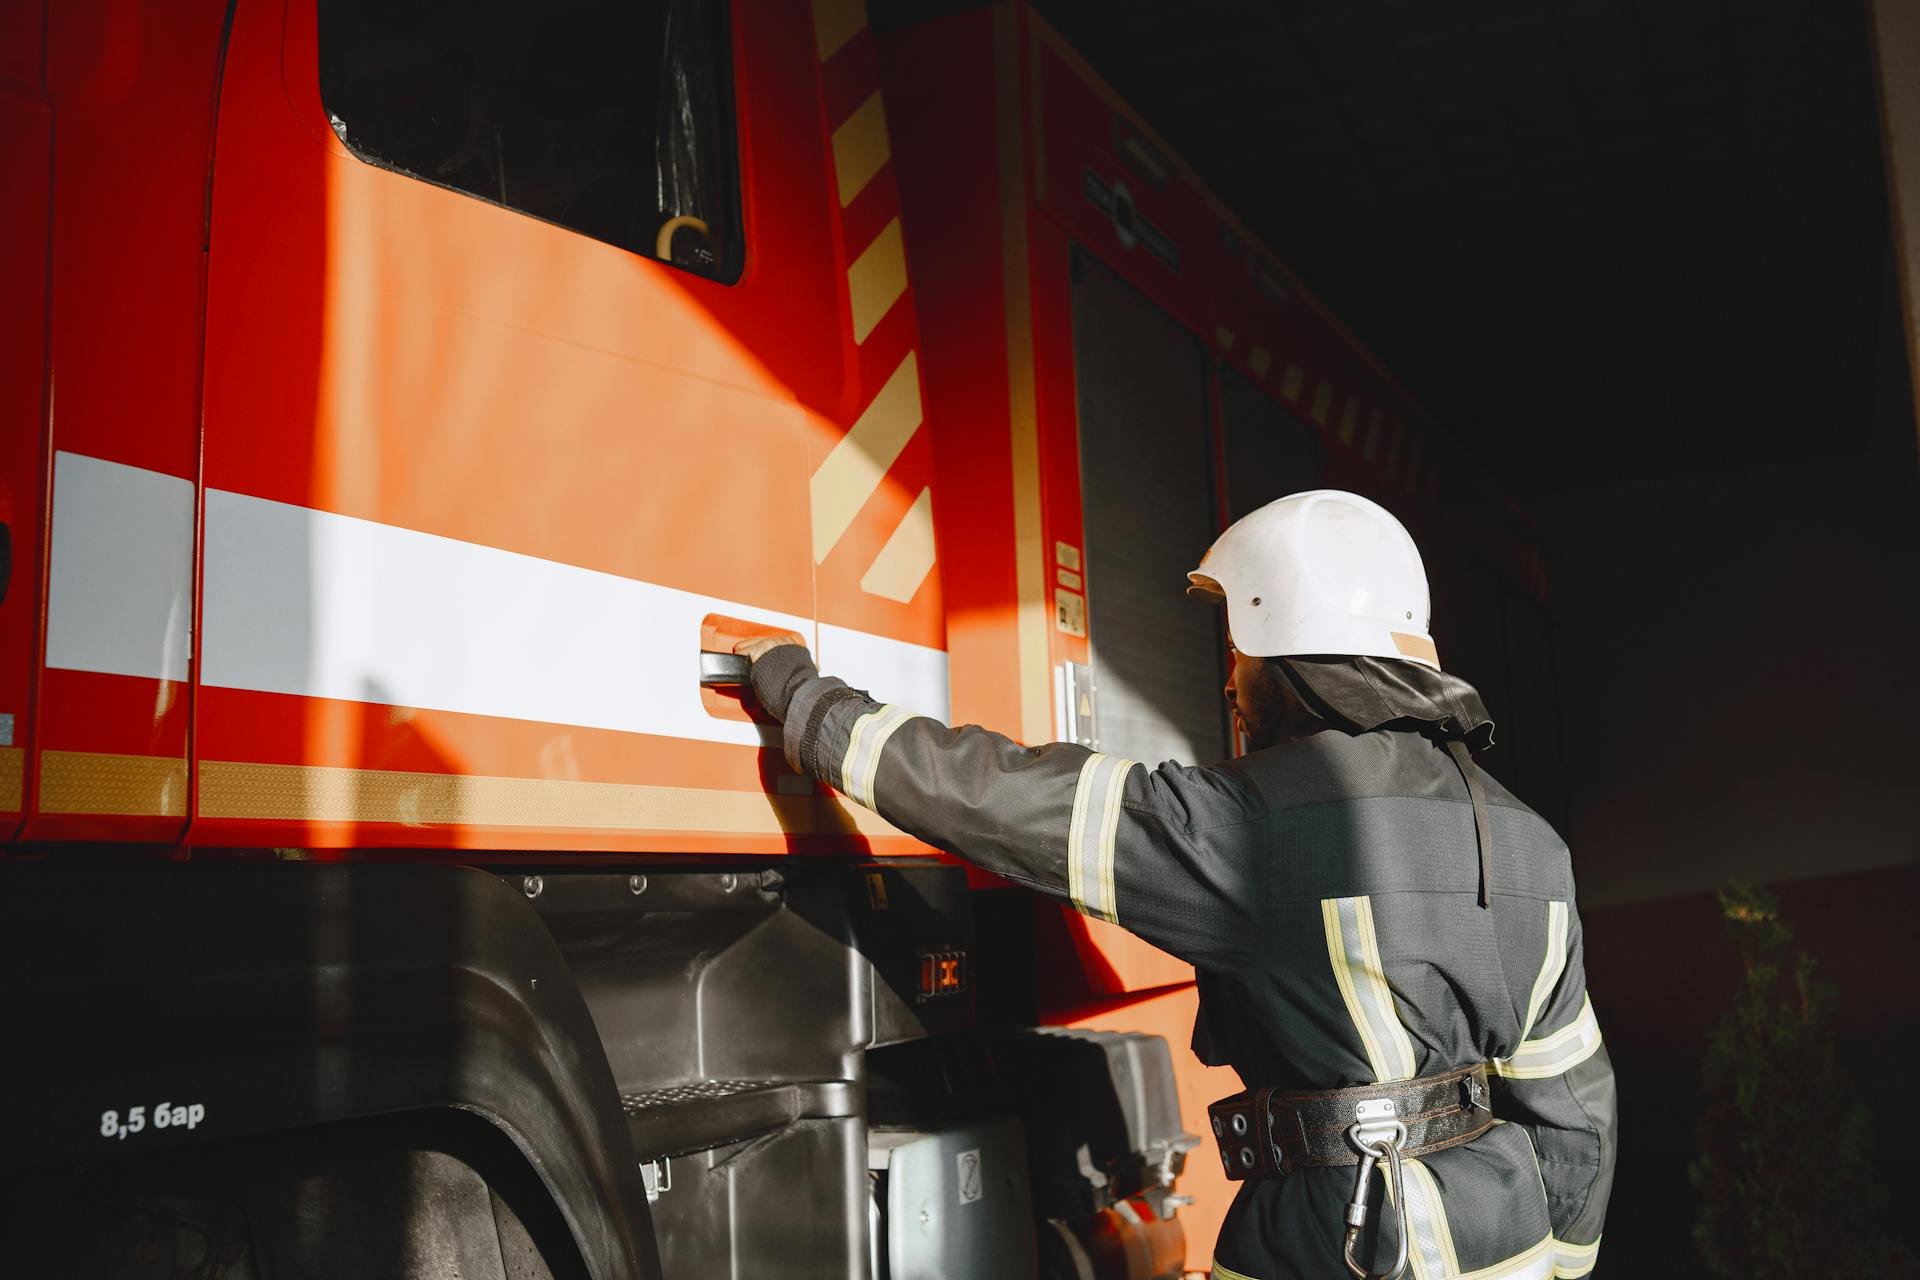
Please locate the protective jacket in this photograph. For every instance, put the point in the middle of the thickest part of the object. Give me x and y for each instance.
(1327, 891)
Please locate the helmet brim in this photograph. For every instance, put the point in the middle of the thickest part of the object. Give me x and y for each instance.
(1201, 587)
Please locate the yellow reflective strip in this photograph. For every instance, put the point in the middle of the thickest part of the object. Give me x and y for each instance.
(92, 782)
(1534, 1264)
(1293, 382)
(1375, 972)
(891, 720)
(1555, 1054)
(1076, 834)
(850, 762)
(325, 793)
(907, 558)
(1259, 360)
(1434, 1210)
(1221, 1271)
(1571, 1261)
(860, 148)
(876, 279)
(1109, 837)
(835, 22)
(1033, 615)
(1551, 966)
(1343, 975)
(859, 460)
(13, 774)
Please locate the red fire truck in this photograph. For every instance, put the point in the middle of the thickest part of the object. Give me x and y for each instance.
(400, 404)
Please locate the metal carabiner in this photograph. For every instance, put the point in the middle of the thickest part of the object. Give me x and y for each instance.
(1377, 1135)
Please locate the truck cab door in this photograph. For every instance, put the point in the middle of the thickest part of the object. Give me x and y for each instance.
(494, 430)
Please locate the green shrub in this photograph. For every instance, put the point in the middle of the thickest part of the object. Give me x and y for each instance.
(1784, 1173)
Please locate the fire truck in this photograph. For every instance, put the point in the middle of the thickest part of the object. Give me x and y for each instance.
(406, 408)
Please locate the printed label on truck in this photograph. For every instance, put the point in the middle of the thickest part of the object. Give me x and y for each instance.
(163, 1115)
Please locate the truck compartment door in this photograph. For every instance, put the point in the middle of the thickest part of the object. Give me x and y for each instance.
(1147, 493)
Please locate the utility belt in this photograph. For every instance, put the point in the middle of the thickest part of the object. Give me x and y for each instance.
(1270, 1133)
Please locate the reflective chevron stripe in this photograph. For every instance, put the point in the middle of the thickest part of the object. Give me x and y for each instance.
(1355, 955)
(1535, 1264)
(1092, 833)
(1551, 967)
(1430, 1248)
(1221, 1271)
(1554, 1054)
(1570, 1261)
(864, 745)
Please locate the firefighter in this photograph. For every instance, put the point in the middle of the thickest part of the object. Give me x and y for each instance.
(1386, 942)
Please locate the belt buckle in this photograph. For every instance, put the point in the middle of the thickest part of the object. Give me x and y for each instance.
(1476, 1090)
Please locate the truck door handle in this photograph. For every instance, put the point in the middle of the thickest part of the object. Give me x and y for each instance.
(724, 668)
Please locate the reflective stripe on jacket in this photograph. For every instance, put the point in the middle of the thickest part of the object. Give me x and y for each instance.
(1326, 891)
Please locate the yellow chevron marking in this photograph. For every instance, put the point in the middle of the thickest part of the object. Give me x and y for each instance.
(1349, 418)
(1372, 448)
(876, 279)
(1322, 403)
(125, 786)
(835, 22)
(854, 468)
(1259, 360)
(860, 148)
(1223, 336)
(904, 563)
(1295, 379)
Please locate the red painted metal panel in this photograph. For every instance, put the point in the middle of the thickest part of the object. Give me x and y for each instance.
(26, 153)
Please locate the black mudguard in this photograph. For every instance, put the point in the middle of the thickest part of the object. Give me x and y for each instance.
(232, 999)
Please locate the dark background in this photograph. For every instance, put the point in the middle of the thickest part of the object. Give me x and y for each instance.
(1634, 254)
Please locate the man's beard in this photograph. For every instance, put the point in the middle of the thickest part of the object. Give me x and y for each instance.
(1272, 710)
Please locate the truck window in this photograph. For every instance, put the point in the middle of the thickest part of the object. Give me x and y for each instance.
(611, 117)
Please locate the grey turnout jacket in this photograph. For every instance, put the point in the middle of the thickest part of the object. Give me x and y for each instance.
(1327, 892)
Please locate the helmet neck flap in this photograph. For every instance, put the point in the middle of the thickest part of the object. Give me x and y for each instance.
(1360, 694)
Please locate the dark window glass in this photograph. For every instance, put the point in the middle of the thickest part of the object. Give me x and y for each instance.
(612, 117)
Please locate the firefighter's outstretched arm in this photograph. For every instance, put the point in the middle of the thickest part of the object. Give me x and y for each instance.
(1111, 836)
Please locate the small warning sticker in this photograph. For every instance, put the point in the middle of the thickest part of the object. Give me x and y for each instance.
(1070, 612)
(971, 1183)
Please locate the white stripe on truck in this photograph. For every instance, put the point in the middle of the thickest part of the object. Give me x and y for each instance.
(314, 604)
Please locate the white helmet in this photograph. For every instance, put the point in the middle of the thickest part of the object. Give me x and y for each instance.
(1320, 572)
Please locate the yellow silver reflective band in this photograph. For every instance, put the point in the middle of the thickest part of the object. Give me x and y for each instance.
(1431, 1249)
(864, 745)
(1570, 1261)
(1535, 1264)
(1554, 1054)
(1221, 1271)
(1354, 950)
(1093, 832)
(1551, 967)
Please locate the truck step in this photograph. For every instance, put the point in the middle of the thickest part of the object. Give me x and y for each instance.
(709, 1113)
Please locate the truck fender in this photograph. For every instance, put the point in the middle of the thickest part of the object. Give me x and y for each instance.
(153, 1004)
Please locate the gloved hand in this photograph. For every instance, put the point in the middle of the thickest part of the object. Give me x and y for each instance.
(757, 647)
(775, 681)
